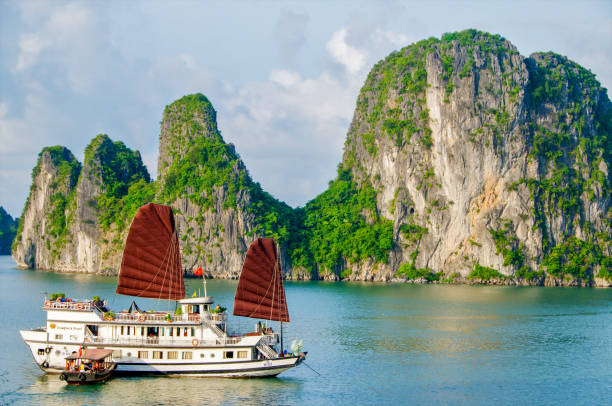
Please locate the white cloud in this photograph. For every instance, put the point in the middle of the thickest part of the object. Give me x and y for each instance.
(285, 78)
(386, 38)
(350, 57)
(29, 48)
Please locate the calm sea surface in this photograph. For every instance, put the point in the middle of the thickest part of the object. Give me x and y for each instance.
(371, 343)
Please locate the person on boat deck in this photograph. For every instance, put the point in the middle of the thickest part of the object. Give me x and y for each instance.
(217, 307)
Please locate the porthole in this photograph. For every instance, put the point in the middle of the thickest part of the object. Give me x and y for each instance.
(129, 354)
(57, 352)
(212, 355)
(411, 210)
(202, 355)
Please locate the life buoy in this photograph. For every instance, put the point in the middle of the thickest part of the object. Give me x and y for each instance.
(47, 303)
(45, 364)
(142, 317)
(79, 306)
(197, 318)
(195, 342)
(47, 350)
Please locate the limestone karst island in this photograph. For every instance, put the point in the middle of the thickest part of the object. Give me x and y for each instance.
(465, 162)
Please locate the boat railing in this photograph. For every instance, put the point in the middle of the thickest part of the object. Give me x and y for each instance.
(165, 341)
(215, 318)
(68, 305)
(157, 317)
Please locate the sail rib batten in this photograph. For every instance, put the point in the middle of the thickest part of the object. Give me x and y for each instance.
(151, 264)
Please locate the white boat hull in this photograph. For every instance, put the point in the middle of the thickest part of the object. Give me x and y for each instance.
(52, 362)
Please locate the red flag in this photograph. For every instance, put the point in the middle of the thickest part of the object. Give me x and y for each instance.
(198, 272)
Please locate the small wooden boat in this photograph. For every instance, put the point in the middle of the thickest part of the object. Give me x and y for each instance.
(88, 367)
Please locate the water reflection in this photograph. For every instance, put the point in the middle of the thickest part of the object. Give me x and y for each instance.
(166, 390)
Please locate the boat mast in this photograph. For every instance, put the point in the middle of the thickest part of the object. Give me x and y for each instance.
(281, 329)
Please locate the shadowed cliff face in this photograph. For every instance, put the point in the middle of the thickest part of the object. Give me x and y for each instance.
(465, 162)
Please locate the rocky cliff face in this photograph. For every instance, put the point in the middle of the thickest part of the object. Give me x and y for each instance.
(75, 219)
(8, 229)
(219, 209)
(489, 165)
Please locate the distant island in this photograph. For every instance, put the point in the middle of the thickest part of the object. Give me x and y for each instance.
(8, 229)
(465, 162)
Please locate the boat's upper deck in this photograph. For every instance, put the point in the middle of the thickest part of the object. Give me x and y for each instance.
(203, 314)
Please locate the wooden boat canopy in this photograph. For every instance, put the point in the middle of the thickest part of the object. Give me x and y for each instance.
(93, 354)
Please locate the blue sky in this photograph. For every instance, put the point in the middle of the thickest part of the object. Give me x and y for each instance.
(283, 76)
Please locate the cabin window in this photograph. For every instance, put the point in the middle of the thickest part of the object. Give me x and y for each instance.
(143, 354)
(128, 330)
(41, 351)
(172, 354)
(158, 355)
(178, 331)
(121, 330)
(59, 336)
(192, 331)
(243, 354)
(142, 332)
(162, 332)
(187, 355)
(171, 331)
(185, 331)
(228, 354)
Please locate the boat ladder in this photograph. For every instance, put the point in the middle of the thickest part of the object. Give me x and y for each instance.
(217, 330)
(266, 350)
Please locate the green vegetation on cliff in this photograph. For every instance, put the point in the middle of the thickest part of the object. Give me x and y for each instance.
(207, 171)
(343, 223)
(569, 152)
(124, 181)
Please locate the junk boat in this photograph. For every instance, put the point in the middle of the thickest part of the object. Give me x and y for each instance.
(193, 340)
(91, 366)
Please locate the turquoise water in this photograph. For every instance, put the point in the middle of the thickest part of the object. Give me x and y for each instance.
(371, 343)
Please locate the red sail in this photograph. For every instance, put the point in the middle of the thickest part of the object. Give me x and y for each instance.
(151, 264)
(260, 293)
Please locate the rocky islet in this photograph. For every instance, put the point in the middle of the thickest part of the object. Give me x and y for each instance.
(464, 162)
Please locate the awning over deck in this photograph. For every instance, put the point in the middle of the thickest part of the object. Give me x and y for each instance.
(94, 354)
